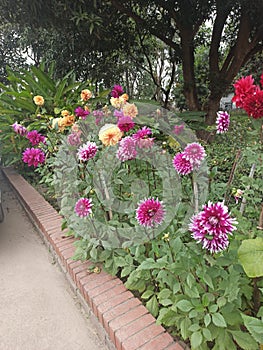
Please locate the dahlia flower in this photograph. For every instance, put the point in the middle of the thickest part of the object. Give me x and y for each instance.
(212, 226)
(87, 151)
(150, 212)
(178, 129)
(182, 165)
(38, 100)
(117, 91)
(222, 122)
(130, 110)
(194, 153)
(85, 95)
(127, 149)
(110, 134)
(35, 138)
(142, 138)
(19, 129)
(74, 138)
(81, 113)
(253, 104)
(243, 88)
(33, 156)
(83, 207)
(125, 124)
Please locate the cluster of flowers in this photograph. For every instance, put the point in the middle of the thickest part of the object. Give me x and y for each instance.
(249, 96)
(33, 156)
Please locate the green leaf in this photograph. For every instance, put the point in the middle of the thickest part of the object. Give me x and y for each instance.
(244, 340)
(254, 326)
(153, 306)
(207, 320)
(196, 340)
(218, 320)
(147, 294)
(184, 327)
(184, 305)
(250, 254)
(207, 334)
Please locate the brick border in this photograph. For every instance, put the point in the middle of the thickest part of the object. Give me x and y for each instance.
(123, 323)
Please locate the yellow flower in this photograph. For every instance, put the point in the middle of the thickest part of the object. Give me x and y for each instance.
(38, 100)
(130, 110)
(85, 95)
(65, 113)
(125, 97)
(68, 120)
(57, 122)
(110, 134)
(117, 102)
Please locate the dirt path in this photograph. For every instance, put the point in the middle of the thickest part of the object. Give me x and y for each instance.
(37, 309)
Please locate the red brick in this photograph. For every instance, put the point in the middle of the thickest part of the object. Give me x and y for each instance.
(77, 267)
(65, 243)
(132, 328)
(119, 310)
(67, 253)
(158, 343)
(142, 337)
(101, 298)
(110, 304)
(105, 287)
(125, 319)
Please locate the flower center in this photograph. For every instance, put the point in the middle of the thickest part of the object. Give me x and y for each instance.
(213, 220)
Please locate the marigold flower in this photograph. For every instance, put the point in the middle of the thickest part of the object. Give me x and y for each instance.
(222, 122)
(212, 226)
(35, 138)
(83, 207)
(19, 129)
(130, 110)
(150, 212)
(33, 156)
(38, 100)
(110, 134)
(87, 151)
(182, 165)
(85, 95)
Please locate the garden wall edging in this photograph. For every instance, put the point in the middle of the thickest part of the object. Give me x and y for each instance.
(121, 320)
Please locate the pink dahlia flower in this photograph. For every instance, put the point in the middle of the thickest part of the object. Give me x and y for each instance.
(87, 151)
(35, 138)
(142, 138)
(127, 149)
(212, 226)
(150, 212)
(19, 129)
(195, 153)
(81, 113)
(83, 207)
(222, 122)
(33, 156)
(182, 165)
(74, 138)
(125, 124)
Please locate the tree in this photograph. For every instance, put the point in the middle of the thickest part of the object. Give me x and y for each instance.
(237, 35)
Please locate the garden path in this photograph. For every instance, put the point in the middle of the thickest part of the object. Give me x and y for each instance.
(37, 308)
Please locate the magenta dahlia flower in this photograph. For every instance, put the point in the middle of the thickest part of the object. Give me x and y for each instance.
(222, 122)
(117, 91)
(33, 156)
(150, 212)
(83, 207)
(87, 151)
(81, 113)
(182, 165)
(35, 138)
(127, 149)
(19, 129)
(212, 226)
(125, 124)
(194, 153)
(142, 138)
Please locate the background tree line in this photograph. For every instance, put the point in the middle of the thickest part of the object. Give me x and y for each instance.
(187, 52)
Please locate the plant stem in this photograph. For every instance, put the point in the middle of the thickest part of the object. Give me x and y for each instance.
(243, 203)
